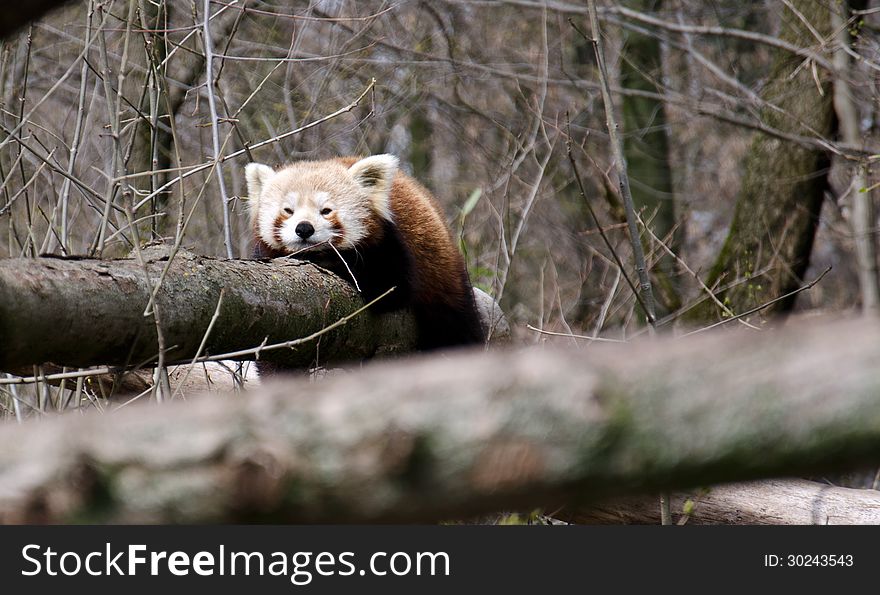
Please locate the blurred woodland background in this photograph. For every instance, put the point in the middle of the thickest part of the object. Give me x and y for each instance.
(750, 131)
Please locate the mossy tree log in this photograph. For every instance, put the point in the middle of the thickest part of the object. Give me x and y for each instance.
(83, 312)
(777, 210)
(469, 433)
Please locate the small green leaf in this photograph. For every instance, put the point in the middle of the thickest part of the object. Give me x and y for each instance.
(471, 202)
(688, 507)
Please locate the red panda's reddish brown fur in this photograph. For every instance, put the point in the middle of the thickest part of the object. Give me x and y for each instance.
(439, 263)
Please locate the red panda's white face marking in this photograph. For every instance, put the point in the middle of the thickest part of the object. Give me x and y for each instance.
(305, 219)
(310, 204)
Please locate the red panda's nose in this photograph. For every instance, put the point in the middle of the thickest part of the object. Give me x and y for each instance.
(304, 229)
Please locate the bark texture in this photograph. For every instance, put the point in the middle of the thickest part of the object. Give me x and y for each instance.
(439, 438)
(777, 211)
(82, 312)
(769, 502)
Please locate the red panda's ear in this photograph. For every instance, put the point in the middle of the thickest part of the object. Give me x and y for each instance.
(375, 174)
(257, 175)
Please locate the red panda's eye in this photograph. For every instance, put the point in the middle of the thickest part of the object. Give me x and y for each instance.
(326, 211)
(288, 210)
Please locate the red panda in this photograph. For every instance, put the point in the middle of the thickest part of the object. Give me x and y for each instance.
(384, 225)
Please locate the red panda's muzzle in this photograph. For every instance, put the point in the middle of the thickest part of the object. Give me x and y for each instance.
(305, 230)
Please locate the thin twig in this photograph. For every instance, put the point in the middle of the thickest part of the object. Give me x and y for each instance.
(652, 20)
(204, 341)
(77, 136)
(762, 306)
(709, 293)
(215, 132)
(203, 166)
(580, 183)
(26, 118)
(60, 375)
(351, 274)
(574, 336)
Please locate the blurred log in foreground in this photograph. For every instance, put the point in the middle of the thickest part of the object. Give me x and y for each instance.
(465, 434)
(768, 502)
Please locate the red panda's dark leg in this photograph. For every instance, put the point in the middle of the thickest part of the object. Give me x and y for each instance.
(448, 325)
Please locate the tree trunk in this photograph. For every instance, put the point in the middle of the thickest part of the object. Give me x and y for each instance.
(465, 434)
(770, 239)
(863, 217)
(154, 147)
(646, 148)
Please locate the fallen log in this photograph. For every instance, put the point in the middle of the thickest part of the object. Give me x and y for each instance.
(428, 439)
(768, 502)
(82, 312)
(85, 312)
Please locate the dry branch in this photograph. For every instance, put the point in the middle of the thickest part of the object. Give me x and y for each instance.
(645, 290)
(85, 312)
(464, 434)
(769, 502)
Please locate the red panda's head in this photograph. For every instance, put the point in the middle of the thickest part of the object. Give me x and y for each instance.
(315, 203)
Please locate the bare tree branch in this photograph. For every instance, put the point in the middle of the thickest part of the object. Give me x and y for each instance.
(647, 294)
